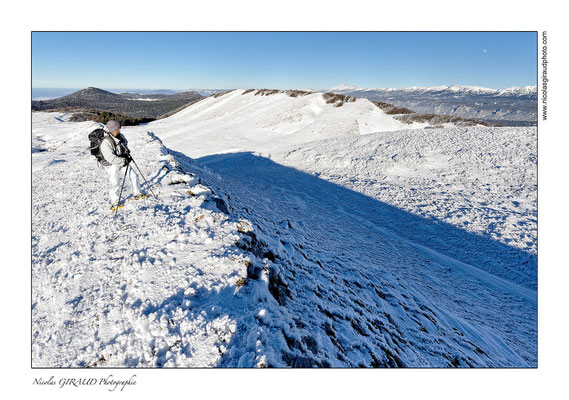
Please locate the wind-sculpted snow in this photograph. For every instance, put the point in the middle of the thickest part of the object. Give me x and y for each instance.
(258, 263)
(359, 295)
(243, 121)
(479, 180)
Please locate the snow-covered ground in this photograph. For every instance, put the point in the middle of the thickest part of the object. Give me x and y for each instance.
(243, 121)
(478, 184)
(300, 237)
(159, 284)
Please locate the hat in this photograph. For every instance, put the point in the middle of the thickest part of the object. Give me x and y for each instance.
(113, 125)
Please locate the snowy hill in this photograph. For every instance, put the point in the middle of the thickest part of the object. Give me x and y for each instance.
(244, 120)
(130, 104)
(347, 247)
(509, 105)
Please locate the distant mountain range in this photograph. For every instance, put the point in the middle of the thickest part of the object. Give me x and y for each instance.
(39, 94)
(151, 105)
(510, 106)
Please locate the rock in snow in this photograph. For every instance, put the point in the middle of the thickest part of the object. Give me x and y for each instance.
(398, 248)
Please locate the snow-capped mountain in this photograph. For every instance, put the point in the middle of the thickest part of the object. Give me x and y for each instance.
(453, 89)
(207, 92)
(506, 105)
(302, 233)
(530, 91)
(343, 88)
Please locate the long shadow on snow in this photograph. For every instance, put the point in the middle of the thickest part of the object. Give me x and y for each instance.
(263, 183)
(349, 285)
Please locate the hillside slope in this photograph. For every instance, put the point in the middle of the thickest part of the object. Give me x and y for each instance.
(262, 265)
(481, 180)
(130, 104)
(371, 293)
(244, 120)
(151, 286)
(478, 180)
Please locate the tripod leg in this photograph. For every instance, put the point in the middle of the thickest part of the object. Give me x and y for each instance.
(122, 186)
(147, 184)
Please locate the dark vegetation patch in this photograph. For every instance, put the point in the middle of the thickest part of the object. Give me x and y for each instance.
(105, 116)
(337, 100)
(391, 109)
(408, 116)
(216, 95)
(296, 93)
(170, 113)
(131, 105)
(242, 282)
(269, 92)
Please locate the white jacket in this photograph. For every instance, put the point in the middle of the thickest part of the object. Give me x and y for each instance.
(111, 149)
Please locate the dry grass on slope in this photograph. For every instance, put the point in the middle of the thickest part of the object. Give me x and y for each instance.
(337, 100)
(408, 116)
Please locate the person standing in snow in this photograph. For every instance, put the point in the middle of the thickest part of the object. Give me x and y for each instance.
(115, 151)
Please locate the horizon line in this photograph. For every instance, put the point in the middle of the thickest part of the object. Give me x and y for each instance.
(292, 88)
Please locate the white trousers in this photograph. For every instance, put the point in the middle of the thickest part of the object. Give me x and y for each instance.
(115, 175)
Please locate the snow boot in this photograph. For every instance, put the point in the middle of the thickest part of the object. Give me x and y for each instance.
(116, 206)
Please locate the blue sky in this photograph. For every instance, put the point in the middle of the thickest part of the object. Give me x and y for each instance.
(282, 60)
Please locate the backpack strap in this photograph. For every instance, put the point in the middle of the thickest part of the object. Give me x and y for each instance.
(108, 136)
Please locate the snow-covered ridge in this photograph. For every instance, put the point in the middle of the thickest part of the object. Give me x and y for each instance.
(479, 183)
(263, 263)
(162, 283)
(336, 244)
(454, 89)
(244, 120)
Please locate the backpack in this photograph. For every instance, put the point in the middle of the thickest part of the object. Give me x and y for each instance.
(96, 138)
